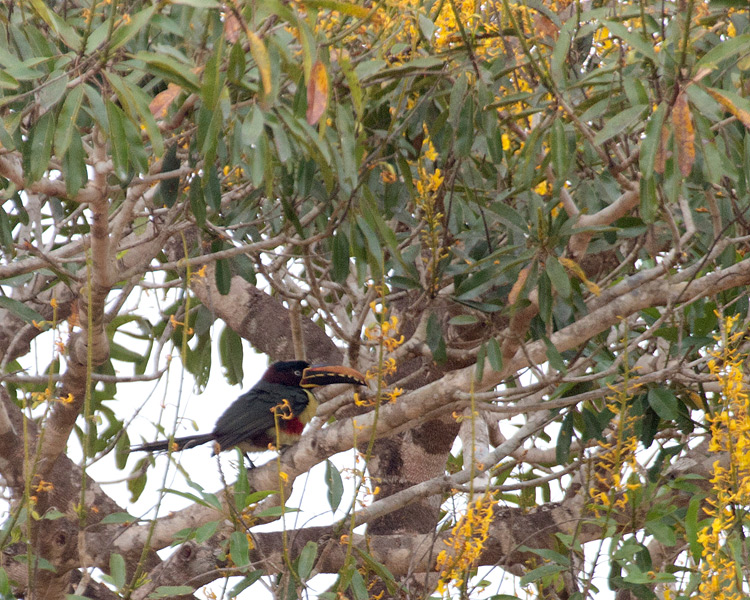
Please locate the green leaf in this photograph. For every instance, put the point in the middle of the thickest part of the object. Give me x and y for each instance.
(137, 484)
(509, 216)
(649, 200)
(358, 586)
(212, 188)
(334, 484)
(555, 358)
(664, 403)
(117, 570)
(223, 276)
(558, 276)
(122, 450)
(67, 34)
(564, 440)
(548, 555)
(345, 8)
(546, 300)
(206, 531)
(208, 500)
(692, 527)
(456, 99)
(213, 77)
(66, 122)
(561, 157)
(275, 511)
(256, 497)
(466, 131)
(40, 147)
(495, 355)
(435, 340)
(20, 310)
(374, 252)
(727, 48)
(197, 202)
(307, 560)
(170, 591)
(170, 69)
(118, 140)
(127, 31)
(53, 89)
(118, 517)
(169, 188)
(239, 548)
(540, 572)
(231, 354)
(340, 257)
(559, 60)
(198, 3)
(252, 126)
(380, 570)
(652, 140)
(662, 531)
(479, 365)
(355, 90)
(619, 123)
(74, 166)
(632, 37)
(463, 320)
(249, 580)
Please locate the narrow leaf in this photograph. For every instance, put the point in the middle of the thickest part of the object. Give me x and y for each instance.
(223, 276)
(245, 583)
(620, 123)
(664, 403)
(260, 56)
(346, 8)
(117, 570)
(307, 560)
(123, 34)
(20, 310)
(40, 147)
(684, 134)
(117, 140)
(170, 591)
(74, 166)
(239, 548)
(334, 484)
(67, 120)
(734, 103)
(726, 49)
(317, 93)
(652, 140)
(495, 355)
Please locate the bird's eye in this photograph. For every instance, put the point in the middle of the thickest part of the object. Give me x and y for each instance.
(298, 372)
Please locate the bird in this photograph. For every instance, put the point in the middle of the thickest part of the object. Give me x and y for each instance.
(282, 396)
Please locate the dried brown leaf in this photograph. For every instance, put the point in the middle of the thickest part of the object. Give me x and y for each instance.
(684, 134)
(317, 93)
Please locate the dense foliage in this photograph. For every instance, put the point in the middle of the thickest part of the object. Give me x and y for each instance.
(527, 221)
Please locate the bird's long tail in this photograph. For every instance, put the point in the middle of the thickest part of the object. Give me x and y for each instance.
(181, 443)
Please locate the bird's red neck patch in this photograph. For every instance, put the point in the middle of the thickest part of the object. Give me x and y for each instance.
(293, 426)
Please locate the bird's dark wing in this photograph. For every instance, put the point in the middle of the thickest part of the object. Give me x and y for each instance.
(251, 414)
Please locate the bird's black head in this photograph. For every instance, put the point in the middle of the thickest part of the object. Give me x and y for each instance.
(287, 372)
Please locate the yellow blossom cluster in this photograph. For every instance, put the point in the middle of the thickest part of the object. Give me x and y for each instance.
(609, 490)
(385, 333)
(428, 195)
(465, 543)
(47, 395)
(730, 436)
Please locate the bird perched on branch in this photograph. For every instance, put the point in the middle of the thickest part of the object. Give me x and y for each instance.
(282, 398)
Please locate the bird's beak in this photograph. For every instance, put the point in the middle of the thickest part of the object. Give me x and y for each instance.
(326, 375)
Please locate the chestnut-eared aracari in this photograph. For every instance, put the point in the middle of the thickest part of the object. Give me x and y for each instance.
(282, 396)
